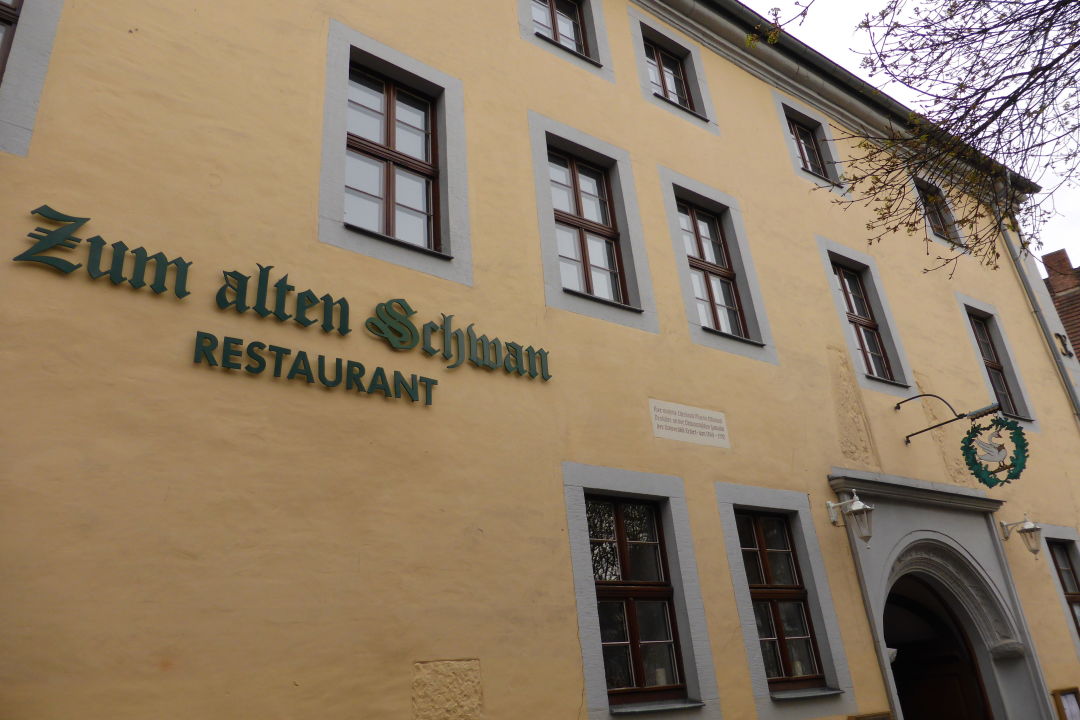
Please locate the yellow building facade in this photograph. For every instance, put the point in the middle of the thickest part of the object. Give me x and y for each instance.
(499, 360)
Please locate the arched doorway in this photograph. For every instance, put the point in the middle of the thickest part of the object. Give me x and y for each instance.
(934, 670)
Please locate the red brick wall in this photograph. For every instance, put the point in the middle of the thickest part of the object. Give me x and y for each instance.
(1063, 282)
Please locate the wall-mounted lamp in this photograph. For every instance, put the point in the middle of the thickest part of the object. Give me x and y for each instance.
(856, 513)
(1030, 531)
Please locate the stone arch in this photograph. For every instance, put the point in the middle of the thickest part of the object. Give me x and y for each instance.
(963, 583)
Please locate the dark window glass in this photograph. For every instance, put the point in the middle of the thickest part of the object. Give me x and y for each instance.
(667, 75)
(806, 141)
(937, 211)
(561, 21)
(781, 613)
(1060, 553)
(9, 19)
(391, 176)
(634, 601)
(590, 259)
(711, 276)
(867, 334)
(994, 368)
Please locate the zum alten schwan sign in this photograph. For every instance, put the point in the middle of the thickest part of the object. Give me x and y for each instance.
(268, 297)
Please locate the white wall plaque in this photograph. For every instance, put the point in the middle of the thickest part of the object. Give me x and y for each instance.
(688, 424)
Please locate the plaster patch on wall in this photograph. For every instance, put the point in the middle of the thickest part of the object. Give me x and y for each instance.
(856, 442)
(446, 690)
(951, 456)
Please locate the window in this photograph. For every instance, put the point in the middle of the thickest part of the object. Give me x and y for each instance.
(995, 369)
(808, 145)
(9, 18)
(780, 601)
(391, 171)
(937, 211)
(562, 22)
(634, 601)
(875, 362)
(1070, 584)
(711, 274)
(588, 242)
(667, 76)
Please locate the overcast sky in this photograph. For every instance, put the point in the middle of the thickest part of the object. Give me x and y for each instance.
(830, 29)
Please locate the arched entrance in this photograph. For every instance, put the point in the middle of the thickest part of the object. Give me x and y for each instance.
(934, 669)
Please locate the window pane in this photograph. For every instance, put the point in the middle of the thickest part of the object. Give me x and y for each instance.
(363, 211)
(605, 285)
(601, 254)
(411, 226)
(366, 123)
(1076, 612)
(697, 281)
(801, 656)
(411, 141)
(747, 538)
(752, 563)
(412, 111)
(1001, 390)
(593, 203)
(605, 560)
(366, 108)
(566, 13)
(567, 240)
(763, 616)
(645, 562)
(652, 619)
(659, 661)
(770, 653)
(364, 174)
(612, 621)
(639, 522)
(562, 195)
(572, 274)
(793, 619)
(775, 531)
(617, 666)
(782, 568)
(705, 317)
(541, 18)
(410, 189)
(601, 516)
(654, 77)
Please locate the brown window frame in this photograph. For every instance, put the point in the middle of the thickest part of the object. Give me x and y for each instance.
(582, 225)
(553, 19)
(1072, 599)
(861, 323)
(631, 591)
(654, 56)
(9, 16)
(794, 126)
(709, 268)
(392, 158)
(775, 593)
(936, 209)
(995, 368)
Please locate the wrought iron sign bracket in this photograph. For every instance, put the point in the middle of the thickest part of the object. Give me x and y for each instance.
(974, 414)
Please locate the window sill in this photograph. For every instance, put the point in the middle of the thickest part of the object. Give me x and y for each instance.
(1021, 418)
(895, 383)
(575, 53)
(822, 178)
(602, 301)
(729, 336)
(685, 109)
(804, 694)
(399, 243)
(665, 706)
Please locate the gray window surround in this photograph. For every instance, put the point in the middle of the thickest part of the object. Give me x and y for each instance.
(644, 28)
(788, 108)
(903, 378)
(592, 12)
(971, 306)
(1071, 536)
(347, 46)
(694, 643)
(679, 187)
(24, 76)
(641, 314)
(837, 698)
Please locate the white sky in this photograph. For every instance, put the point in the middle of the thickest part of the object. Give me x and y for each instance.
(830, 28)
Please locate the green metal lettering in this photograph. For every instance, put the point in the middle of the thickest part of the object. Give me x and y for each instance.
(484, 353)
(343, 315)
(378, 382)
(408, 386)
(391, 323)
(205, 343)
(237, 283)
(429, 388)
(304, 302)
(93, 261)
(161, 269)
(512, 362)
(426, 331)
(279, 353)
(116, 269)
(301, 366)
(253, 352)
(322, 372)
(353, 372)
(261, 291)
(230, 348)
(282, 288)
(453, 342)
(49, 239)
